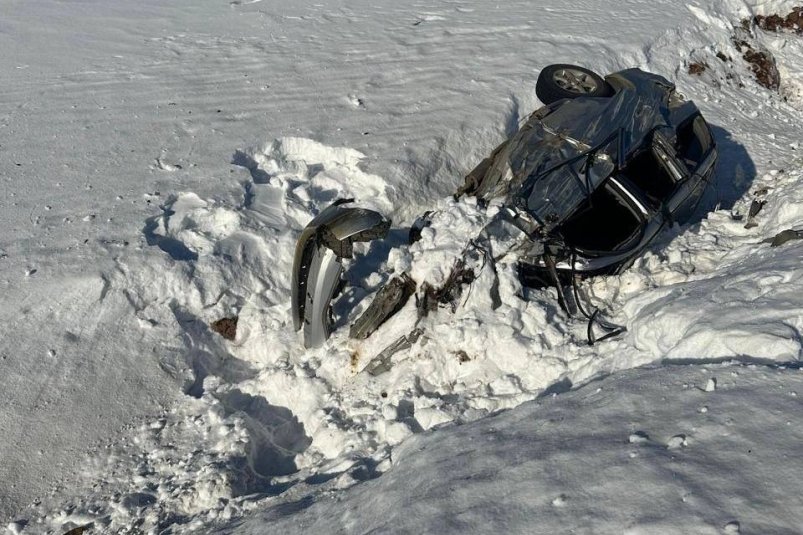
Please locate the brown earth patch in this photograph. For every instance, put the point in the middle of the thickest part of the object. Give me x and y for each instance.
(761, 63)
(226, 327)
(697, 68)
(776, 23)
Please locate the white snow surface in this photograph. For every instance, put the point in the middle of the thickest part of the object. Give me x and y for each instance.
(158, 163)
(703, 462)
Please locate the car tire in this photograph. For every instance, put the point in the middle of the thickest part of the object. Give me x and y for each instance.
(561, 81)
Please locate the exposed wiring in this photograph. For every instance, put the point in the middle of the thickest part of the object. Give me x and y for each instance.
(593, 318)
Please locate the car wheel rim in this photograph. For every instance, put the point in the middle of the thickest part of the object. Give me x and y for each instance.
(575, 81)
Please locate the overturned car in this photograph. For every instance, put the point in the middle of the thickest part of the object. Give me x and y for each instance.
(584, 186)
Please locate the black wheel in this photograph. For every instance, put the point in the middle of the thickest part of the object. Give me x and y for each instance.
(569, 81)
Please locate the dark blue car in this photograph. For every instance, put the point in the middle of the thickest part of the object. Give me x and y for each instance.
(584, 185)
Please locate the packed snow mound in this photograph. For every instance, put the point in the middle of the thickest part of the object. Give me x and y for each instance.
(302, 175)
(192, 225)
(299, 149)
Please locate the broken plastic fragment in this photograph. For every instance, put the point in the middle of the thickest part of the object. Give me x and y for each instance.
(389, 300)
(784, 236)
(317, 266)
(381, 363)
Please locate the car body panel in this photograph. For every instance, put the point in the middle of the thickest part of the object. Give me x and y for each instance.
(317, 264)
(567, 150)
(324, 277)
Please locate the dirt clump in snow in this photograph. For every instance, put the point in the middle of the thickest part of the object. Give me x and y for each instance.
(762, 63)
(697, 68)
(776, 23)
(462, 356)
(226, 327)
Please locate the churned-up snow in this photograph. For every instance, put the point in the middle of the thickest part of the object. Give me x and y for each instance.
(158, 163)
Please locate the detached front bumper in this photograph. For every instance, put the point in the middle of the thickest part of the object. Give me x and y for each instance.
(317, 265)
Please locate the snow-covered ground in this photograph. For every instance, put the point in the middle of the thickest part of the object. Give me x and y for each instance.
(157, 164)
(704, 450)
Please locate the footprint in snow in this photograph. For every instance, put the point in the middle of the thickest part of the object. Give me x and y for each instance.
(356, 102)
(641, 437)
(427, 18)
(638, 437)
(164, 166)
(676, 442)
(732, 528)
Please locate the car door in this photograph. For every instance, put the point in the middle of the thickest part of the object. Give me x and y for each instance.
(692, 158)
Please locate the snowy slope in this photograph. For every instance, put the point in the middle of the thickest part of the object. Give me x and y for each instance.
(159, 161)
(645, 451)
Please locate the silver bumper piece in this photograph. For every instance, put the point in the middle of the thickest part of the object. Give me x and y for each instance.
(317, 265)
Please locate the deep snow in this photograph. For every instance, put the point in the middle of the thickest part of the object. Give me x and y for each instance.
(683, 460)
(158, 163)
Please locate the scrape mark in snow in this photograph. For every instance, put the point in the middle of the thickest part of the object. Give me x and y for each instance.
(164, 166)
